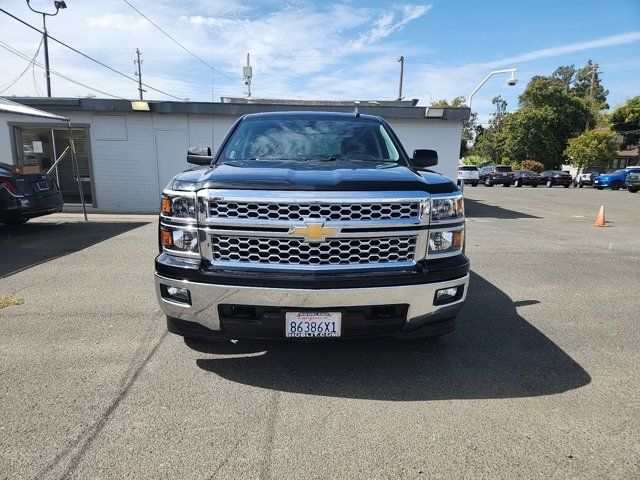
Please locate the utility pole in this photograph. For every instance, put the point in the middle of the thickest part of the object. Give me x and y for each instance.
(138, 74)
(247, 73)
(401, 60)
(594, 68)
(58, 6)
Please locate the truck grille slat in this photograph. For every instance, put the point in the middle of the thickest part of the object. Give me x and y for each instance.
(327, 211)
(294, 251)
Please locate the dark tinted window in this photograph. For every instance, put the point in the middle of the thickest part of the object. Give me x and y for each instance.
(468, 168)
(503, 169)
(308, 138)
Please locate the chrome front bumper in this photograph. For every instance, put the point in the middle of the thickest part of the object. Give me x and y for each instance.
(205, 299)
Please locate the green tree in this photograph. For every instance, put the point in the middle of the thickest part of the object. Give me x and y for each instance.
(626, 121)
(593, 147)
(581, 87)
(486, 139)
(527, 134)
(565, 75)
(552, 114)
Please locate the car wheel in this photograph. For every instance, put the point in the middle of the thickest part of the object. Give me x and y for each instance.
(633, 189)
(617, 185)
(518, 183)
(549, 184)
(487, 182)
(580, 184)
(15, 221)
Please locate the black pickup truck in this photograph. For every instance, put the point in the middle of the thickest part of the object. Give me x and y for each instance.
(311, 225)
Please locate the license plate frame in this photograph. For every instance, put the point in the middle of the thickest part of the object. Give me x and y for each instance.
(313, 324)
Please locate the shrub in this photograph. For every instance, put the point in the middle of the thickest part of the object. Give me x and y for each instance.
(532, 165)
(476, 160)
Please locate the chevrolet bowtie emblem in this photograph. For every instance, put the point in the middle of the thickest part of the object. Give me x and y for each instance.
(313, 232)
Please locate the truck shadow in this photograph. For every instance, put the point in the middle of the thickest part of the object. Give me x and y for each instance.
(31, 244)
(493, 353)
(478, 209)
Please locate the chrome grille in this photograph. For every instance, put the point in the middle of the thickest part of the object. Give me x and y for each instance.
(295, 252)
(327, 211)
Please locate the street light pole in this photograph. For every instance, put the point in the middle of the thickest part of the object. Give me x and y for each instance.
(58, 6)
(511, 81)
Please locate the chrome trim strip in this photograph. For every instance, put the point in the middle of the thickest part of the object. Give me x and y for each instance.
(294, 267)
(205, 298)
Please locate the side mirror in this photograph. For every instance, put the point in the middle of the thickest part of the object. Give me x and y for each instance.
(199, 155)
(424, 158)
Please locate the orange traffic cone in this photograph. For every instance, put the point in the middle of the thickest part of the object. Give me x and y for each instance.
(600, 218)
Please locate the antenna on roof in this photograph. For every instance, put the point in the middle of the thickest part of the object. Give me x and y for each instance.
(247, 73)
(356, 113)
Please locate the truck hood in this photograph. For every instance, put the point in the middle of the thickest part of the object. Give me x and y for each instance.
(339, 175)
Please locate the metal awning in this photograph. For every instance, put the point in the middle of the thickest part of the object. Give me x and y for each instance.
(13, 107)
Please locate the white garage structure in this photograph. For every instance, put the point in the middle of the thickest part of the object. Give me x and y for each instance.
(126, 157)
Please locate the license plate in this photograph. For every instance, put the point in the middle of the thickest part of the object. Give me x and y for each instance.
(313, 324)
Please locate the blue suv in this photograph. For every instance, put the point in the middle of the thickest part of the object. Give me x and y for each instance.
(615, 180)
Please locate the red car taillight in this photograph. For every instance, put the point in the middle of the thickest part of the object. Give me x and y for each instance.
(9, 185)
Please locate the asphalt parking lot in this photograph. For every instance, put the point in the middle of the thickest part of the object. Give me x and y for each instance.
(541, 379)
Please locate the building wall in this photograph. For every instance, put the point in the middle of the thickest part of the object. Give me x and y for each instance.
(134, 154)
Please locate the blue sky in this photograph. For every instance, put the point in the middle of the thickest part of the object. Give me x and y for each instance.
(327, 50)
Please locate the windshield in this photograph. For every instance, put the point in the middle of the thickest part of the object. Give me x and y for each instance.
(310, 139)
(468, 169)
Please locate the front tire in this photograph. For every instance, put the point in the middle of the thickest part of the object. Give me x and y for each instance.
(580, 184)
(15, 221)
(487, 182)
(617, 185)
(518, 183)
(633, 189)
(549, 184)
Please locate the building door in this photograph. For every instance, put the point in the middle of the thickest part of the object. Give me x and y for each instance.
(171, 150)
(40, 146)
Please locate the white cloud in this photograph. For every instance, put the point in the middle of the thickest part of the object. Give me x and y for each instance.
(621, 39)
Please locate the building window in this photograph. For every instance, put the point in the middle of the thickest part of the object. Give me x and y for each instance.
(39, 146)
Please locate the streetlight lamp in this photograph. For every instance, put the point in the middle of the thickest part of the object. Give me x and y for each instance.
(511, 81)
(58, 6)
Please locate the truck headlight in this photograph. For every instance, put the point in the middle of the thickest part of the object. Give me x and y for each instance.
(447, 208)
(446, 242)
(179, 240)
(178, 206)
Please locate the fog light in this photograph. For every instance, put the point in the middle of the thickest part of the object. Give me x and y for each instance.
(448, 295)
(176, 294)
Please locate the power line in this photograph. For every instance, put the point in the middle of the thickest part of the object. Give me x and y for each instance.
(87, 56)
(25, 70)
(10, 49)
(178, 43)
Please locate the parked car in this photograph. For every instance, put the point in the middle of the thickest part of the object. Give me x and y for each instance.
(552, 178)
(468, 174)
(496, 175)
(305, 236)
(24, 196)
(633, 181)
(586, 175)
(615, 180)
(526, 177)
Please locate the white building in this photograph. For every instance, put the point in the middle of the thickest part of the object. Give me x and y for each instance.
(126, 157)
